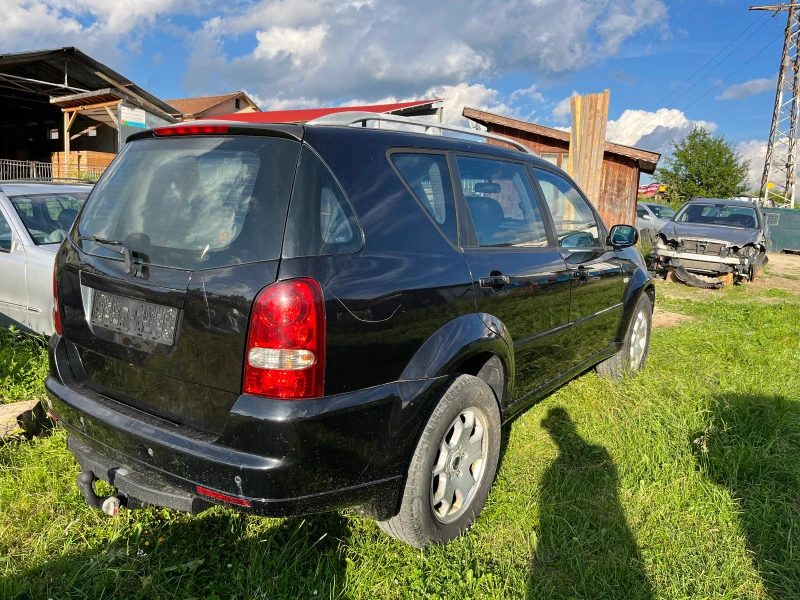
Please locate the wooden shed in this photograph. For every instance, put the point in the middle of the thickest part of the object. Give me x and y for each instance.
(622, 165)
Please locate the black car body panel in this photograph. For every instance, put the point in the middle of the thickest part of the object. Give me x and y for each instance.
(404, 312)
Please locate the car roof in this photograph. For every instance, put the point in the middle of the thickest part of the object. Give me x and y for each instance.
(725, 201)
(21, 188)
(392, 138)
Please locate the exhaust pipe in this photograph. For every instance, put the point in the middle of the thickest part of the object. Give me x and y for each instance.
(108, 504)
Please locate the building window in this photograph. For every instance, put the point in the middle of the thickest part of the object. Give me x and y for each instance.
(550, 157)
(238, 104)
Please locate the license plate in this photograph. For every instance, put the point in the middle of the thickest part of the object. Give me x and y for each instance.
(141, 319)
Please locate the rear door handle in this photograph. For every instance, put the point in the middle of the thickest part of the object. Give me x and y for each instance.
(494, 281)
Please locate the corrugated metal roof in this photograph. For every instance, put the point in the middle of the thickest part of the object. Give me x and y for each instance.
(64, 71)
(304, 115)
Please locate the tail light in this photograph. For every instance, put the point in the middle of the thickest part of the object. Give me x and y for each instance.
(191, 130)
(286, 343)
(56, 312)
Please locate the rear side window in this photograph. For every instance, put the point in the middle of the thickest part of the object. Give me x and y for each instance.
(194, 202)
(321, 220)
(428, 176)
(5, 235)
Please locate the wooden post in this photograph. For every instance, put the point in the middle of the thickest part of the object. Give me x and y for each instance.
(66, 142)
(587, 141)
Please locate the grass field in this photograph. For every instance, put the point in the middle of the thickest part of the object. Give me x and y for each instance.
(683, 482)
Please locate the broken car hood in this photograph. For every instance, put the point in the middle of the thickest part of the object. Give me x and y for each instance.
(735, 236)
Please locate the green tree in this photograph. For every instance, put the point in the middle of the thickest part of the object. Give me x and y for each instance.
(703, 165)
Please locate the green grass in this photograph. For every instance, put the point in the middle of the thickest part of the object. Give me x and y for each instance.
(683, 482)
(23, 366)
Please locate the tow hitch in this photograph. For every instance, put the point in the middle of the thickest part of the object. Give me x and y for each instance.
(108, 504)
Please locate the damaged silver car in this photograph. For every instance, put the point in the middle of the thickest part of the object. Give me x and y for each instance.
(722, 239)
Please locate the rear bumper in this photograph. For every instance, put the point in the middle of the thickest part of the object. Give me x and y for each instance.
(284, 457)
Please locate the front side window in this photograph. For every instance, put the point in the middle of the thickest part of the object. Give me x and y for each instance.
(321, 221)
(5, 235)
(575, 221)
(501, 203)
(194, 202)
(48, 217)
(641, 212)
(428, 176)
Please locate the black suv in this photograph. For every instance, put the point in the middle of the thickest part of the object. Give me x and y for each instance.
(289, 319)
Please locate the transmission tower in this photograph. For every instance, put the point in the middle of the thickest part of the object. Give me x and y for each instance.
(778, 181)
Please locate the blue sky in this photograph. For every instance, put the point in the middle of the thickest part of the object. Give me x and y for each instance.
(522, 58)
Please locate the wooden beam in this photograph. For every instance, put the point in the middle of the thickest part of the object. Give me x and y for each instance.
(113, 117)
(91, 106)
(126, 90)
(85, 131)
(67, 125)
(70, 121)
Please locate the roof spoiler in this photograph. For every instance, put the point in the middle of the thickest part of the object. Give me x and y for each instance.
(348, 118)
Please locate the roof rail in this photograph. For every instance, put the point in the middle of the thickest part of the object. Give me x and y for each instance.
(347, 118)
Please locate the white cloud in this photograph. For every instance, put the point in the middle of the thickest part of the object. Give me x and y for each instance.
(653, 130)
(374, 49)
(99, 27)
(756, 152)
(302, 45)
(748, 88)
(563, 110)
(530, 92)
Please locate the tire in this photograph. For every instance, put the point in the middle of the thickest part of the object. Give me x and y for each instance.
(633, 354)
(439, 466)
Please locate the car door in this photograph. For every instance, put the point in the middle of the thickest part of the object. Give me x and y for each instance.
(597, 277)
(520, 276)
(13, 291)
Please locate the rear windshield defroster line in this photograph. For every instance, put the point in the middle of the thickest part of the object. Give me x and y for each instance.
(195, 202)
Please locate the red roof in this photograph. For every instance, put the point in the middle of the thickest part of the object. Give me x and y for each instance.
(301, 116)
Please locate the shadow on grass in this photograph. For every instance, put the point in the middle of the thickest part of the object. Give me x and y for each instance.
(585, 548)
(751, 447)
(216, 555)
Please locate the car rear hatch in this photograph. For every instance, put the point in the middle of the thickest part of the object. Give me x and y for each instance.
(158, 280)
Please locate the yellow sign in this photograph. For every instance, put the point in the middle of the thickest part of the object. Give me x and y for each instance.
(770, 185)
(662, 188)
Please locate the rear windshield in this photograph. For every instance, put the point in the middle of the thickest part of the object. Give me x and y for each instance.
(718, 214)
(194, 202)
(48, 217)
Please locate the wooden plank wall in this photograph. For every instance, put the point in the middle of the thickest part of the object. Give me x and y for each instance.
(81, 160)
(616, 202)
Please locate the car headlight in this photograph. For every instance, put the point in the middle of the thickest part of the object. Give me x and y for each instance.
(748, 251)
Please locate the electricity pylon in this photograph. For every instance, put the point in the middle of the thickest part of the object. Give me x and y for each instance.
(778, 181)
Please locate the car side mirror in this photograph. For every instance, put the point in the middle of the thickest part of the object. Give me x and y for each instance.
(646, 217)
(623, 236)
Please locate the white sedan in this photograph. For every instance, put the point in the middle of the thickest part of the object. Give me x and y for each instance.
(34, 219)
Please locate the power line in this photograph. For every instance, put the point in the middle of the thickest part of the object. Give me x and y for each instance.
(749, 60)
(709, 61)
(742, 66)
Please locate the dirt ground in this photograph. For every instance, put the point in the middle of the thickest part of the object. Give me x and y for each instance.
(782, 273)
(666, 319)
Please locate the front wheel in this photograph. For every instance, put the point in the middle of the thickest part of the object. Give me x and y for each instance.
(452, 468)
(633, 354)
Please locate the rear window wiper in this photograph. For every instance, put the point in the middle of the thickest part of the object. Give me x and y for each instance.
(131, 267)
